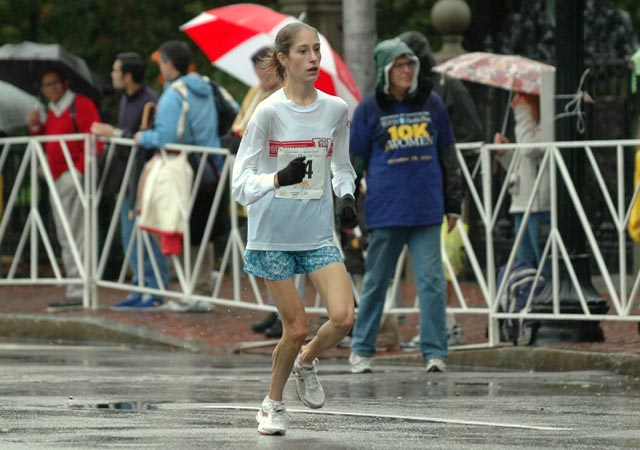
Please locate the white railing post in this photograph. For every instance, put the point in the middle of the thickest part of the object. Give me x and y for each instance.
(493, 331)
(33, 210)
(621, 228)
(33, 233)
(91, 239)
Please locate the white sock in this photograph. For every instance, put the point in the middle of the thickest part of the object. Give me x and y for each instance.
(301, 363)
(273, 402)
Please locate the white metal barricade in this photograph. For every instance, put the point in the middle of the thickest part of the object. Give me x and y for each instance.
(244, 291)
(625, 304)
(33, 167)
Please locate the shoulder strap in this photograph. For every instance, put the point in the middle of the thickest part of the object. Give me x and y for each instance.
(181, 88)
(72, 111)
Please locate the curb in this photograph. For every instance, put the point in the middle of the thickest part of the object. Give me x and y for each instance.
(92, 330)
(536, 359)
(85, 330)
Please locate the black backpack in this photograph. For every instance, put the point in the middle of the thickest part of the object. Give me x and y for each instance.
(226, 106)
(520, 282)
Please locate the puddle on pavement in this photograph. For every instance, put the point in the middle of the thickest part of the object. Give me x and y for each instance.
(128, 406)
(132, 406)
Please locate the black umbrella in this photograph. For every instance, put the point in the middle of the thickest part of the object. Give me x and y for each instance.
(23, 64)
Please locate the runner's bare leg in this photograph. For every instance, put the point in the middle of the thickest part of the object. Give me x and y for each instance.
(332, 282)
(294, 333)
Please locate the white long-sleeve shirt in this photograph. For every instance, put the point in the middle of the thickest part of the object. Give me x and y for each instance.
(277, 126)
(528, 130)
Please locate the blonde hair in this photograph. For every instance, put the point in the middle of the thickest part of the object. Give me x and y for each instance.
(284, 41)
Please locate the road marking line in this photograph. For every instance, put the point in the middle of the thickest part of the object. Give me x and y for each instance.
(61, 347)
(400, 417)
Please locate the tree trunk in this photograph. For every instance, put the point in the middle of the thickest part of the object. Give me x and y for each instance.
(360, 37)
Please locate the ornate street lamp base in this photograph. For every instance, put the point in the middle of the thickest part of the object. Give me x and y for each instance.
(567, 332)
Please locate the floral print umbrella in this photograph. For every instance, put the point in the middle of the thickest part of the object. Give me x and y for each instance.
(511, 72)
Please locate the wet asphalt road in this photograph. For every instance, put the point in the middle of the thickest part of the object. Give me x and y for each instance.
(117, 398)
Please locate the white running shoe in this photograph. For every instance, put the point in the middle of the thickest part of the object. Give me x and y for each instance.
(272, 418)
(188, 306)
(436, 365)
(308, 386)
(360, 364)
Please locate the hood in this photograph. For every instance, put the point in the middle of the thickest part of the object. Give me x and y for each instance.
(419, 43)
(385, 53)
(197, 85)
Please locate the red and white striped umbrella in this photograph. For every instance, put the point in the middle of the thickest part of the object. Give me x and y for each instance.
(229, 35)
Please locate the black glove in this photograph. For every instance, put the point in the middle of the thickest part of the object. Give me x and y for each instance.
(348, 213)
(293, 173)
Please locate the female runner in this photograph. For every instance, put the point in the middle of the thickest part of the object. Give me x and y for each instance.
(293, 157)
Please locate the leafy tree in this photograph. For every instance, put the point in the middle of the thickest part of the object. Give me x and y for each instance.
(397, 16)
(97, 30)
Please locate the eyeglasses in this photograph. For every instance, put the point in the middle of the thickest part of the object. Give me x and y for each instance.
(51, 84)
(411, 64)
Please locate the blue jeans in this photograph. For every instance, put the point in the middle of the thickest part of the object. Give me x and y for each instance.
(385, 246)
(529, 249)
(126, 229)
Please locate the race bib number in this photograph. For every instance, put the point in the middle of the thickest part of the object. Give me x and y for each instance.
(312, 185)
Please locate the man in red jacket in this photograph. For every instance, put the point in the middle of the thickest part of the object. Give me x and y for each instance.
(68, 113)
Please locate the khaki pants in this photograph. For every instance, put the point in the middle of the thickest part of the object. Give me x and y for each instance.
(72, 208)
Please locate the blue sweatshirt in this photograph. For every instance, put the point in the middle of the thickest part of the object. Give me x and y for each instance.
(400, 149)
(201, 126)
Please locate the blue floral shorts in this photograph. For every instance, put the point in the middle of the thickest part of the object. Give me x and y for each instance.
(280, 265)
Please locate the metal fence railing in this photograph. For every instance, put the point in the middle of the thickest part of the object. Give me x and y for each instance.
(26, 242)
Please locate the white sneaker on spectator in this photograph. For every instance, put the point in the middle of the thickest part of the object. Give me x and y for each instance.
(200, 306)
(308, 386)
(191, 306)
(345, 342)
(360, 364)
(456, 336)
(411, 346)
(436, 365)
(272, 417)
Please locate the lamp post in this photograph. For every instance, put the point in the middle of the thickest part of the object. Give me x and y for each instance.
(569, 69)
(451, 18)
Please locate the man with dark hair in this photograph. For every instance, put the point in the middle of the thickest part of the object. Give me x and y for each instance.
(127, 74)
(68, 113)
(269, 83)
(187, 114)
(178, 54)
(132, 63)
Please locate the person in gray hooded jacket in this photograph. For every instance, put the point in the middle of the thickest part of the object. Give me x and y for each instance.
(403, 136)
